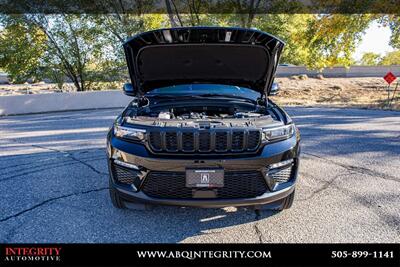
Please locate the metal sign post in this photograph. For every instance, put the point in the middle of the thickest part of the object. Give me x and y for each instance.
(389, 78)
(394, 94)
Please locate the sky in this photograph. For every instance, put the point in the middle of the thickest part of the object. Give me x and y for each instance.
(376, 39)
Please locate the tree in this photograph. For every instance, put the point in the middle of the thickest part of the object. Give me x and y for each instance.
(370, 59)
(21, 48)
(315, 40)
(391, 58)
(332, 39)
(393, 21)
(128, 18)
(116, 29)
(74, 43)
(292, 28)
(246, 11)
(87, 49)
(190, 13)
(173, 15)
(73, 47)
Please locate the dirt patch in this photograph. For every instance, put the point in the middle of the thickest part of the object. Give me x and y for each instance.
(35, 88)
(346, 92)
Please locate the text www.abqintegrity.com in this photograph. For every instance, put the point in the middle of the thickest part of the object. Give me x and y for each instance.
(204, 254)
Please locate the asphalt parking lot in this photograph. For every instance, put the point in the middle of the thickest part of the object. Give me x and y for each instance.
(53, 185)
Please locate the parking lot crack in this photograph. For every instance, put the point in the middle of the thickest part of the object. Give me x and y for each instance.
(88, 165)
(34, 170)
(68, 154)
(325, 186)
(257, 228)
(358, 169)
(49, 201)
(30, 169)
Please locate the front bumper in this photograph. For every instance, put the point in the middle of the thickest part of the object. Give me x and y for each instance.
(267, 198)
(138, 155)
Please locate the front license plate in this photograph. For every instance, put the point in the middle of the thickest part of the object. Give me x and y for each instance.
(210, 178)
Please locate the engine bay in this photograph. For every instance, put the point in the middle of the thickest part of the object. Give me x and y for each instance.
(196, 110)
(195, 114)
(205, 113)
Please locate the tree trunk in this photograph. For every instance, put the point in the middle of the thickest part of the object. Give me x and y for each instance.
(251, 8)
(170, 14)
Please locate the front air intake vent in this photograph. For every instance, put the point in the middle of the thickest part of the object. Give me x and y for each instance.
(237, 184)
(188, 141)
(221, 141)
(124, 175)
(171, 141)
(281, 175)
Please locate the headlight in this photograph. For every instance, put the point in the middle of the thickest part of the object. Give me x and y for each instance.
(129, 133)
(278, 133)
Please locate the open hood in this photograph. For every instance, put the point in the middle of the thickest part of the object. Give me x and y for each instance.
(233, 56)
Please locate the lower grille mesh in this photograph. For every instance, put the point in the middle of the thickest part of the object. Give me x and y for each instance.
(281, 176)
(123, 175)
(240, 184)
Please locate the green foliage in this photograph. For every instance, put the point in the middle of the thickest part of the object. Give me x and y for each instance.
(76, 47)
(391, 58)
(332, 39)
(87, 49)
(316, 41)
(393, 21)
(115, 30)
(291, 28)
(21, 47)
(370, 59)
(74, 43)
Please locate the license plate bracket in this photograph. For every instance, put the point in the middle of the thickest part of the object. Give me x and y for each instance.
(204, 177)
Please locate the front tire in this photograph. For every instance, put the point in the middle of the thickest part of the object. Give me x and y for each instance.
(119, 203)
(283, 204)
(115, 198)
(288, 201)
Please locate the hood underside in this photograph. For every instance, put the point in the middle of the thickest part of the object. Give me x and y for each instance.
(233, 56)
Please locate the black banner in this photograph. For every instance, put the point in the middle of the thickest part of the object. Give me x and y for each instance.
(200, 254)
(201, 6)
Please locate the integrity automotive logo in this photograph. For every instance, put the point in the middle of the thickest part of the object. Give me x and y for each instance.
(32, 254)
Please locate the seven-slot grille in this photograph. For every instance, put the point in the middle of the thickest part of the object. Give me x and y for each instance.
(203, 141)
(237, 184)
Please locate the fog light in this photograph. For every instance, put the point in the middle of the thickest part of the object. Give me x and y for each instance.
(280, 175)
(127, 165)
(281, 164)
(128, 174)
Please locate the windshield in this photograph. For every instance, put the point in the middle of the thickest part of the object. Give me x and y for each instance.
(205, 89)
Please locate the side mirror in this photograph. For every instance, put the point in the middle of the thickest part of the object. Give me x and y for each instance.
(128, 89)
(274, 89)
